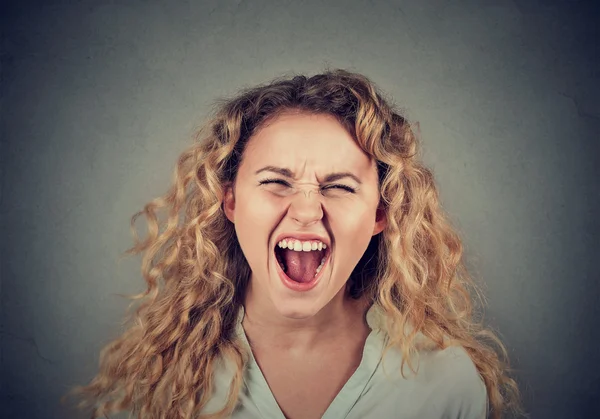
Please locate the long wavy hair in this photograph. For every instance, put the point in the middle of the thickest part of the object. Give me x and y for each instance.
(163, 365)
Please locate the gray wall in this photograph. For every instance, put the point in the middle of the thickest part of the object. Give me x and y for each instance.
(98, 99)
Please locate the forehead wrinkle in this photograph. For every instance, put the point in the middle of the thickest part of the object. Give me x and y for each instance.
(303, 170)
(325, 171)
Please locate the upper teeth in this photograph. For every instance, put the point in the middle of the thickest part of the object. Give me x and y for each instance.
(301, 246)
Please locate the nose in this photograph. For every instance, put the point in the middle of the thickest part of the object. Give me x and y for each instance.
(306, 208)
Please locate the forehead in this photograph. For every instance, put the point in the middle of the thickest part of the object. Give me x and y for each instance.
(307, 143)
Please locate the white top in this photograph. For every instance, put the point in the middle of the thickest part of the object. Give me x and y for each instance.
(446, 386)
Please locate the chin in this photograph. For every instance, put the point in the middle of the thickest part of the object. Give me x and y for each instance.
(296, 311)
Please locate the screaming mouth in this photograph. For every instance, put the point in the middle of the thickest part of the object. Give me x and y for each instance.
(301, 261)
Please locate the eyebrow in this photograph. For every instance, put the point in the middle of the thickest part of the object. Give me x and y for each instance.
(331, 177)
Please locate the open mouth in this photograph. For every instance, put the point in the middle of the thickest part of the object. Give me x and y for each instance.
(301, 266)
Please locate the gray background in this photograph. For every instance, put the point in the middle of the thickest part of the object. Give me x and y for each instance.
(99, 98)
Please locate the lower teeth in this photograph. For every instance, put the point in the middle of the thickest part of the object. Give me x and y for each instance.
(319, 268)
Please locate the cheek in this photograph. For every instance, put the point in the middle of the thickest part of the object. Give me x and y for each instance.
(254, 222)
(261, 213)
(354, 229)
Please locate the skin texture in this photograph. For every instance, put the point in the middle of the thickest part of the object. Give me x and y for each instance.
(311, 146)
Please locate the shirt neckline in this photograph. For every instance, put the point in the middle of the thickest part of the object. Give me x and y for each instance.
(346, 397)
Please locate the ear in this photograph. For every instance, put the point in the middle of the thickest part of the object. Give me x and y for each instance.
(228, 204)
(380, 221)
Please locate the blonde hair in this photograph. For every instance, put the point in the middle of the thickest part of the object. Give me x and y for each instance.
(163, 366)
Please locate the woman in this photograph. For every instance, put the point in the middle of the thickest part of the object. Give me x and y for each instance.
(312, 274)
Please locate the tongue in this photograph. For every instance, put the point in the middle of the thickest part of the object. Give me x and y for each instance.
(301, 266)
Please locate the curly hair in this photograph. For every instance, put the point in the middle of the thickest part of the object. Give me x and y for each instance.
(163, 365)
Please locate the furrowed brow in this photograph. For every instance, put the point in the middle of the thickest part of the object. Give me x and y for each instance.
(331, 177)
(280, 170)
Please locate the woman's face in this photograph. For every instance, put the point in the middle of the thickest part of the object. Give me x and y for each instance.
(300, 156)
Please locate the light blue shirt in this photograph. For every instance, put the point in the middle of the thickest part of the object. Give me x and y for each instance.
(447, 385)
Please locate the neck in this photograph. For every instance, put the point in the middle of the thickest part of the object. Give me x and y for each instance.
(341, 318)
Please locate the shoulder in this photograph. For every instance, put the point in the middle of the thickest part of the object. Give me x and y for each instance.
(446, 384)
(455, 388)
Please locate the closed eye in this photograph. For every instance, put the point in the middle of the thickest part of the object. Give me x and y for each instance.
(337, 186)
(279, 181)
(324, 188)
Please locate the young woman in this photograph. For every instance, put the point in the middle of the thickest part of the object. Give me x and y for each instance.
(305, 270)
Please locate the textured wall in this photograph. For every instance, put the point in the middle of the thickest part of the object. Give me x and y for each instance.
(99, 98)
